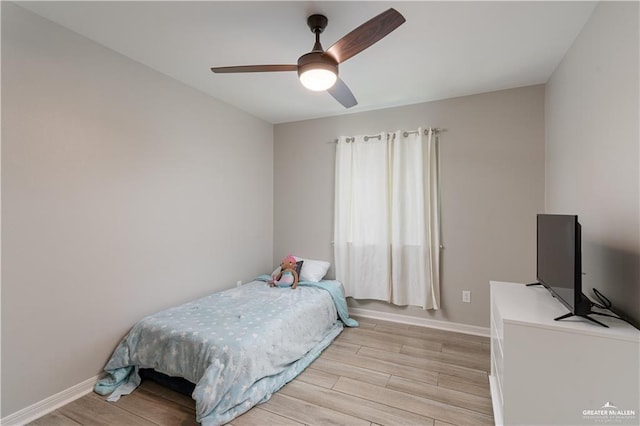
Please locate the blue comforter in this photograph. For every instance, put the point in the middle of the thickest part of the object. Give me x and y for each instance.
(238, 346)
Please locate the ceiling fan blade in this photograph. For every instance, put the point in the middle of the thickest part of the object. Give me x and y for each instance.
(342, 94)
(255, 68)
(365, 35)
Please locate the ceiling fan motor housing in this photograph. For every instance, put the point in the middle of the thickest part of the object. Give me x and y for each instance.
(317, 60)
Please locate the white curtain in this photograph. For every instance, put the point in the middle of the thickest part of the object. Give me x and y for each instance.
(386, 238)
(361, 228)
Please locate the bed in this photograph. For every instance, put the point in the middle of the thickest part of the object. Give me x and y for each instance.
(237, 346)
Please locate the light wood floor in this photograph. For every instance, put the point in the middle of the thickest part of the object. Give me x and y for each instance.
(378, 374)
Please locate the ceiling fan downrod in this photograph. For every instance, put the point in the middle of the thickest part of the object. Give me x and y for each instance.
(317, 24)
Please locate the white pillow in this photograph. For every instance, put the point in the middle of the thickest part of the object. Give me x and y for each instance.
(313, 270)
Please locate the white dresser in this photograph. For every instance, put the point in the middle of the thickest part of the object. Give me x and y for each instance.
(567, 372)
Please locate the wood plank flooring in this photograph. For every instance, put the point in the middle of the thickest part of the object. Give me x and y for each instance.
(381, 373)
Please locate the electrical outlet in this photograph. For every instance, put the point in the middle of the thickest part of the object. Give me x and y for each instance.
(238, 283)
(466, 296)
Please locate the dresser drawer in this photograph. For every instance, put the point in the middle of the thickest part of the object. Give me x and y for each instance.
(496, 319)
(497, 360)
(497, 341)
(497, 379)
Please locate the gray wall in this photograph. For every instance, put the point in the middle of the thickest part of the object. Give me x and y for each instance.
(123, 192)
(592, 153)
(492, 159)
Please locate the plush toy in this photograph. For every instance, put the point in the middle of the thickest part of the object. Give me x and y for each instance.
(287, 277)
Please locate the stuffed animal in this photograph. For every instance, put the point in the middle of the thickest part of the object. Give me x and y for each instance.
(287, 277)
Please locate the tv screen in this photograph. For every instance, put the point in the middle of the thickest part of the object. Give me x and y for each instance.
(559, 257)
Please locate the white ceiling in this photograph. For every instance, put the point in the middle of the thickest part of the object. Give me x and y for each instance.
(445, 49)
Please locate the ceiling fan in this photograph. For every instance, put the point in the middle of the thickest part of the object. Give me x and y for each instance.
(318, 69)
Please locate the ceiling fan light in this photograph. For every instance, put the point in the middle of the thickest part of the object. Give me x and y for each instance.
(318, 79)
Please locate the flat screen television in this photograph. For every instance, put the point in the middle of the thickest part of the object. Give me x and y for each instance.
(559, 262)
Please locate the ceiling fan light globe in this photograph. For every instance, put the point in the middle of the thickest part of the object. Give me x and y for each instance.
(318, 79)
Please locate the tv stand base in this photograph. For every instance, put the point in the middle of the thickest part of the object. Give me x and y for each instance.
(582, 316)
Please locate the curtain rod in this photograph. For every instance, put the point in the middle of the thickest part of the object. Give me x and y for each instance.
(405, 134)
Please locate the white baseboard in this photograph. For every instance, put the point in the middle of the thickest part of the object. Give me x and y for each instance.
(50, 404)
(422, 322)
